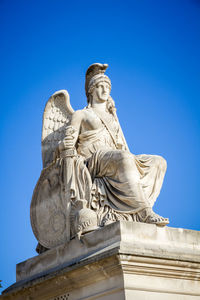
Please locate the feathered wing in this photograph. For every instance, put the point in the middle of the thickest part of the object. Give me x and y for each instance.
(56, 117)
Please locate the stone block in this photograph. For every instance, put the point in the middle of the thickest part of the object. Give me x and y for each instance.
(123, 260)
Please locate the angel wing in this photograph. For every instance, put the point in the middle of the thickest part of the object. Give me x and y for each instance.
(56, 117)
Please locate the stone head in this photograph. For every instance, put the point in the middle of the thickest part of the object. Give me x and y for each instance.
(97, 85)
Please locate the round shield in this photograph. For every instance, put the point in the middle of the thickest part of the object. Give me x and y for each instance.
(49, 217)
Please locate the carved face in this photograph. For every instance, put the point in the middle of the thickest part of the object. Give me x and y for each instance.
(101, 91)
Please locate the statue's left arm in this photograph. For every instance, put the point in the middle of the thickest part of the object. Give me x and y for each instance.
(125, 145)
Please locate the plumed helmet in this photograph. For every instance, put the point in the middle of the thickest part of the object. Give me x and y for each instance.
(95, 74)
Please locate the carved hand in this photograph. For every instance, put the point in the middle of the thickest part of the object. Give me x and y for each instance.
(69, 141)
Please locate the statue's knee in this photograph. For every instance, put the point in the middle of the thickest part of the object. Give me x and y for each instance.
(164, 164)
(127, 160)
(126, 157)
(161, 162)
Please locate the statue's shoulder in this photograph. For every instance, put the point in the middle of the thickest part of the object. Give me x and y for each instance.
(82, 114)
(78, 115)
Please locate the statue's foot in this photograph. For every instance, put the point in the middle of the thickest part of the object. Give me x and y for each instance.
(150, 217)
(156, 219)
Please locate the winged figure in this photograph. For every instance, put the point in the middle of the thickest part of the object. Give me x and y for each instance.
(89, 177)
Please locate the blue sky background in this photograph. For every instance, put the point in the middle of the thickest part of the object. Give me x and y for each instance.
(153, 52)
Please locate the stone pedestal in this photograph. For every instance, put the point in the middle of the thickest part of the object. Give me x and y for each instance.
(123, 260)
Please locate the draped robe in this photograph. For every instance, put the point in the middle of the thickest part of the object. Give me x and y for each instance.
(123, 182)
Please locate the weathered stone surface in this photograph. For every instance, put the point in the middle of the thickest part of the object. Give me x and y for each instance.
(90, 178)
(123, 260)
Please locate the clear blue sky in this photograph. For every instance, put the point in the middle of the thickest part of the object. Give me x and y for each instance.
(153, 52)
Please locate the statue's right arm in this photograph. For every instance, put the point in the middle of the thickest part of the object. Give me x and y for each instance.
(72, 131)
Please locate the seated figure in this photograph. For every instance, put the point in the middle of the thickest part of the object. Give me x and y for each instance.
(99, 181)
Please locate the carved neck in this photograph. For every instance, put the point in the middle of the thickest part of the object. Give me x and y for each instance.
(100, 106)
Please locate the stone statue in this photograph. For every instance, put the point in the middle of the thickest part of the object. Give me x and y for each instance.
(90, 178)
